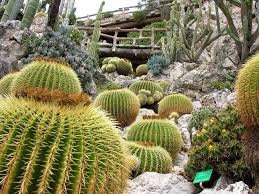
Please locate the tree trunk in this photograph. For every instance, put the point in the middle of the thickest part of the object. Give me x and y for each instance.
(53, 13)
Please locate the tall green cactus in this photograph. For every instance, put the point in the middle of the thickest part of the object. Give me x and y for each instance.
(247, 88)
(122, 104)
(46, 148)
(93, 44)
(8, 10)
(152, 159)
(147, 85)
(159, 132)
(30, 11)
(175, 103)
(16, 9)
(6, 83)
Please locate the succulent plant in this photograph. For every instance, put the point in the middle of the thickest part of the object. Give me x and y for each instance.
(6, 83)
(106, 60)
(46, 148)
(110, 68)
(142, 99)
(175, 103)
(152, 158)
(150, 100)
(218, 145)
(163, 84)
(145, 92)
(157, 131)
(147, 85)
(157, 63)
(142, 70)
(47, 79)
(247, 85)
(122, 104)
(124, 67)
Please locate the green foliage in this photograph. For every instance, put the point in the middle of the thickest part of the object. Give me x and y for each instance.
(175, 103)
(77, 36)
(158, 132)
(142, 70)
(218, 145)
(152, 159)
(109, 86)
(139, 15)
(122, 104)
(107, 14)
(147, 85)
(157, 63)
(158, 35)
(200, 116)
(59, 45)
(48, 75)
(46, 148)
(29, 13)
(6, 83)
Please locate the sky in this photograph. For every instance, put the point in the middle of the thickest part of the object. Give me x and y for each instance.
(87, 7)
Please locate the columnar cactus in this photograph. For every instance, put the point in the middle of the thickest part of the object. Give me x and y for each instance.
(46, 148)
(6, 83)
(122, 104)
(247, 87)
(29, 13)
(47, 78)
(175, 103)
(157, 131)
(147, 85)
(152, 158)
(142, 70)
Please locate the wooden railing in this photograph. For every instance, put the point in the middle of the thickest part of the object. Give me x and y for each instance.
(116, 40)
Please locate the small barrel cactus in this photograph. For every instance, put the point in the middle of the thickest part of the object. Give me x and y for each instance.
(142, 70)
(175, 103)
(110, 68)
(122, 104)
(106, 60)
(157, 131)
(47, 79)
(47, 148)
(152, 158)
(147, 85)
(6, 83)
(124, 67)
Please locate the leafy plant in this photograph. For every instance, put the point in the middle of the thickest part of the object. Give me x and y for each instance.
(157, 63)
(152, 159)
(122, 104)
(59, 45)
(139, 15)
(175, 103)
(157, 132)
(218, 145)
(107, 14)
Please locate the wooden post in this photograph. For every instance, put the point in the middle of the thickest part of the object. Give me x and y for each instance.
(115, 41)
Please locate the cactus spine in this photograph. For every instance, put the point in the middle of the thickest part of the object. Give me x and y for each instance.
(152, 159)
(6, 83)
(159, 132)
(30, 11)
(51, 149)
(175, 103)
(122, 104)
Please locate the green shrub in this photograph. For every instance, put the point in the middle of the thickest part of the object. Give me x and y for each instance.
(152, 159)
(158, 132)
(142, 70)
(200, 116)
(157, 63)
(6, 83)
(218, 145)
(139, 15)
(46, 148)
(122, 104)
(175, 103)
(107, 14)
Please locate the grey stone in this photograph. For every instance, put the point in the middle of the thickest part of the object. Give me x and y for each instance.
(181, 160)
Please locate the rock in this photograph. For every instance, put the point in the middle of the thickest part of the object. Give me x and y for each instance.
(181, 160)
(155, 183)
(144, 111)
(183, 123)
(196, 105)
(39, 24)
(11, 50)
(236, 188)
(222, 183)
(219, 99)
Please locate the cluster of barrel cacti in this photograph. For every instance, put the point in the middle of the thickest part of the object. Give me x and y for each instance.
(53, 147)
(148, 92)
(112, 64)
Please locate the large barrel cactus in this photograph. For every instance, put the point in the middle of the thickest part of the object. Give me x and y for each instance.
(122, 104)
(147, 85)
(6, 83)
(152, 158)
(45, 148)
(159, 132)
(247, 87)
(175, 103)
(124, 67)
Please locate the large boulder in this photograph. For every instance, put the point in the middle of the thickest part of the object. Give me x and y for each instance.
(11, 50)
